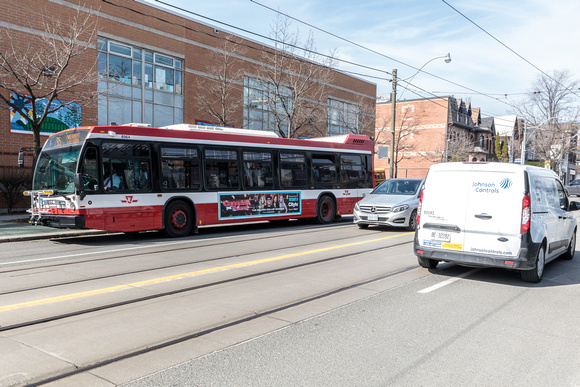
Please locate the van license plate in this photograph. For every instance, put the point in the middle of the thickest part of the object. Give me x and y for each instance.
(441, 236)
(373, 217)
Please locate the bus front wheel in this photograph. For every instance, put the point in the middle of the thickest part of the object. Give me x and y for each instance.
(326, 210)
(178, 219)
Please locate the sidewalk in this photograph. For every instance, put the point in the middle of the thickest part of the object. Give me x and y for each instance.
(15, 227)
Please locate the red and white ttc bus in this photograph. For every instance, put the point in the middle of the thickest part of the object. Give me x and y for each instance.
(136, 178)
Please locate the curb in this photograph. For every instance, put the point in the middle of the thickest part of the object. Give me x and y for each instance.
(24, 238)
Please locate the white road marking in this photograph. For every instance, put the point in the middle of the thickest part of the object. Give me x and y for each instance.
(447, 282)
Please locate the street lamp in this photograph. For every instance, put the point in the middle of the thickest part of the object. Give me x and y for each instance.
(394, 108)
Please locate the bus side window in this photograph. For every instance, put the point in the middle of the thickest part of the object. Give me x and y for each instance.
(142, 176)
(351, 170)
(323, 168)
(180, 168)
(90, 170)
(221, 168)
(126, 166)
(258, 170)
(292, 170)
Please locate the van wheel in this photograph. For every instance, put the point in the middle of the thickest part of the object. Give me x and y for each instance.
(413, 221)
(427, 262)
(569, 254)
(536, 274)
(326, 210)
(178, 219)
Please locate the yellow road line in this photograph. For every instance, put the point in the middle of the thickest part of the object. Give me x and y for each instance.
(111, 289)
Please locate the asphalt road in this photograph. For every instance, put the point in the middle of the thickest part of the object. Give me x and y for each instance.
(296, 304)
(479, 328)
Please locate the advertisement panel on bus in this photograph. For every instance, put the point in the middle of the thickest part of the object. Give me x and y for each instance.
(256, 204)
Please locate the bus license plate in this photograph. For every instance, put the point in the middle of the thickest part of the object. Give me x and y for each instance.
(373, 217)
(441, 236)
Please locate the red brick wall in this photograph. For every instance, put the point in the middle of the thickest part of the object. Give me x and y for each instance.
(424, 122)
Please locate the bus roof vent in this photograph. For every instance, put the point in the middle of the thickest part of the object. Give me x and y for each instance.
(136, 124)
(203, 128)
(356, 139)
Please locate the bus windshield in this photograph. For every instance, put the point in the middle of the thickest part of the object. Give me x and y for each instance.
(57, 162)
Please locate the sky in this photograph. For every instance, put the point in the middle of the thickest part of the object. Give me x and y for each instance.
(494, 68)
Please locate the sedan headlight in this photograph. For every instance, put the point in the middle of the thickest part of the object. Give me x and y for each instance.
(356, 207)
(400, 208)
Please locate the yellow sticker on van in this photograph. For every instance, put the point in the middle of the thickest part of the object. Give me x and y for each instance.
(454, 246)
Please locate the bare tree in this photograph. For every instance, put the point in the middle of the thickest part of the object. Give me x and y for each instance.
(12, 182)
(551, 114)
(458, 146)
(405, 144)
(219, 92)
(47, 68)
(294, 81)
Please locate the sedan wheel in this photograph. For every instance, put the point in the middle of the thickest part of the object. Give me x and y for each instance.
(413, 221)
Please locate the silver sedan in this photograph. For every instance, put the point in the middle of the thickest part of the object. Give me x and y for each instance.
(393, 203)
(573, 188)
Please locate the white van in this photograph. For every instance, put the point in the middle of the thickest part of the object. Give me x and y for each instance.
(494, 215)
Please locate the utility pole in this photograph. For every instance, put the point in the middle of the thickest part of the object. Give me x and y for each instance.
(523, 155)
(393, 116)
(394, 109)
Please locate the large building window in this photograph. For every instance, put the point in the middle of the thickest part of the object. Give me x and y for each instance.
(343, 117)
(264, 107)
(139, 85)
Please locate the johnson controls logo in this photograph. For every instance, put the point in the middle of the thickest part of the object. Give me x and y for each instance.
(506, 183)
(483, 187)
(491, 188)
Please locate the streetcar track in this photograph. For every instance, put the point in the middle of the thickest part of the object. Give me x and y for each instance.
(190, 288)
(141, 271)
(219, 242)
(195, 335)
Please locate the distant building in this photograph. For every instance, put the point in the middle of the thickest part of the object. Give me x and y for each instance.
(433, 130)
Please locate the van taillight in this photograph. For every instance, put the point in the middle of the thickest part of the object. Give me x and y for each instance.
(419, 208)
(526, 214)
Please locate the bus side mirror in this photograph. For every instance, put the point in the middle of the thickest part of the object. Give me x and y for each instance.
(21, 158)
(80, 185)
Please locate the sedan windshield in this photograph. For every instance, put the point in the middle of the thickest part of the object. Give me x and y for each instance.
(398, 187)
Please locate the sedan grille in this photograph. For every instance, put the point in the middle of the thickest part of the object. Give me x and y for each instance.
(375, 209)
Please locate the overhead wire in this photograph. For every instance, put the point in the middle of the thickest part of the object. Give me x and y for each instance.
(270, 38)
(509, 48)
(290, 45)
(371, 50)
(293, 57)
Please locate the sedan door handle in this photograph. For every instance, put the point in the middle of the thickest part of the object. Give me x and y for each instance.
(483, 216)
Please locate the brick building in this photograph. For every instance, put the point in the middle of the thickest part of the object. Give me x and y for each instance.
(430, 131)
(154, 67)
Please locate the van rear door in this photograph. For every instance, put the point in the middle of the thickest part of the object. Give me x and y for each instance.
(443, 207)
(494, 211)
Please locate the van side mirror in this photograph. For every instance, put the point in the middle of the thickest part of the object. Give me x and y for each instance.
(574, 206)
(80, 185)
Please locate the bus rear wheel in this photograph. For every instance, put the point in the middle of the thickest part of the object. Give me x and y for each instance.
(178, 219)
(326, 210)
